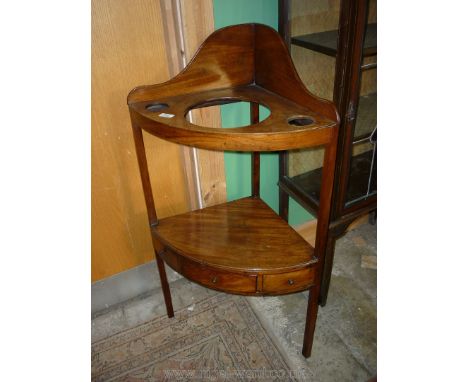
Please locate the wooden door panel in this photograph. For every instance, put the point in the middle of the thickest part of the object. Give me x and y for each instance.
(128, 49)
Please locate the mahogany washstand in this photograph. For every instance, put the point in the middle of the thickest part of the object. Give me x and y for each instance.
(242, 246)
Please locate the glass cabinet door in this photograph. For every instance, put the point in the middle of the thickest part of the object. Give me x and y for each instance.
(362, 179)
(314, 26)
(314, 31)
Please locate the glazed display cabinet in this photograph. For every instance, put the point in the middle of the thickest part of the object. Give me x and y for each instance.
(334, 47)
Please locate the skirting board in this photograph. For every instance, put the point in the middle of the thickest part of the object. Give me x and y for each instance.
(127, 285)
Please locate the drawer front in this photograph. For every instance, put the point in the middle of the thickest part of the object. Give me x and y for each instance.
(221, 280)
(290, 281)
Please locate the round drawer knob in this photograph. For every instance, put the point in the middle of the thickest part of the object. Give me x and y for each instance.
(214, 280)
(290, 282)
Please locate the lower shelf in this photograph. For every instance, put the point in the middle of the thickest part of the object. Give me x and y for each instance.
(240, 247)
(307, 185)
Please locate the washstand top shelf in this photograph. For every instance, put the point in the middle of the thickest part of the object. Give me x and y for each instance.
(247, 62)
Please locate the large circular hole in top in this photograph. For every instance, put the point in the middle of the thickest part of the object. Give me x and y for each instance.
(155, 106)
(235, 112)
(301, 121)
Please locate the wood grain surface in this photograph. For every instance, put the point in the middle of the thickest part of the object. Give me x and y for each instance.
(244, 235)
(127, 49)
(242, 246)
(198, 24)
(272, 134)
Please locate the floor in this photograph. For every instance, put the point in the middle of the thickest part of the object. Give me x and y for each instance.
(345, 342)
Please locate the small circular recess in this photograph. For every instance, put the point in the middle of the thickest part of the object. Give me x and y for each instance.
(301, 120)
(154, 107)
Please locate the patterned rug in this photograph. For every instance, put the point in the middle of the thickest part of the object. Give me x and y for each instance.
(217, 339)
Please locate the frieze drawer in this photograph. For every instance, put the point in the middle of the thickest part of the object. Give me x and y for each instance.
(215, 279)
(289, 281)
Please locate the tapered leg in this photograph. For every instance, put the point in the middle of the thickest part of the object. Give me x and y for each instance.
(254, 118)
(283, 204)
(312, 308)
(151, 209)
(165, 286)
(283, 195)
(327, 268)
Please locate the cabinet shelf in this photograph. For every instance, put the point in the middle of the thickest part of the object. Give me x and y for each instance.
(326, 42)
(306, 186)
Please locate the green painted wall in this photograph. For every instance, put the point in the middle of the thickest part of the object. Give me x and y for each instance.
(238, 165)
